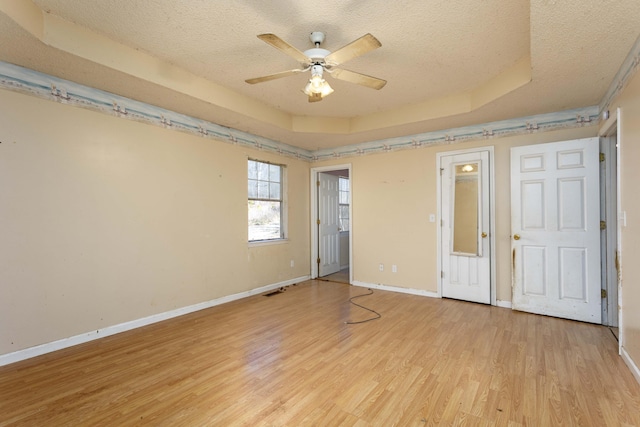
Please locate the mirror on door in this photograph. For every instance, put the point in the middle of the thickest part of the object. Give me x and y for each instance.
(465, 210)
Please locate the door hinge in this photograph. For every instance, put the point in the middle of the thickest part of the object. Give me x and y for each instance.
(318, 222)
(442, 274)
(441, 171)
(603, 225)
(602, 157)
(603, 293)
(318, 183)
(318, 260)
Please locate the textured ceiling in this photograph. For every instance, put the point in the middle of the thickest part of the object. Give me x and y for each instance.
(448, 63)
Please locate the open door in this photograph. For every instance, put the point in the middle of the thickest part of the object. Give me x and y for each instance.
(328, 225)
(555, 224)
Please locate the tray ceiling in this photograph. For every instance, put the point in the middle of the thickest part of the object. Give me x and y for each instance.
(447, 63)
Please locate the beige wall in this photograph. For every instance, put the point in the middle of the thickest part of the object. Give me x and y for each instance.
(393, 195)
(105, 220)
(629, 143)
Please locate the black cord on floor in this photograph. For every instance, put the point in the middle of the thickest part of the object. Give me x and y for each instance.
(378, 315)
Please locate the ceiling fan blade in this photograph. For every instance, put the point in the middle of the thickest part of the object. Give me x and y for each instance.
(273, 76)
(285, 47)
(315, 97)
(358, 78)
(356, 48)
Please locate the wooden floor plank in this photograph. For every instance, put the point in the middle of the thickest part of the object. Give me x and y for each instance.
(290, 359)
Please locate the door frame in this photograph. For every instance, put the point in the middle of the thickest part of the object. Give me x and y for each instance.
(314, 216)
(492, 217)
(609, 127)
(609, 207)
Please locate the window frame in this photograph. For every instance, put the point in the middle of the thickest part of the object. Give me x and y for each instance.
(282, 201)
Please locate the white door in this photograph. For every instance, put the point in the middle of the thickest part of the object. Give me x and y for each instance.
(465, 234)
(555, 229)
(329, 225)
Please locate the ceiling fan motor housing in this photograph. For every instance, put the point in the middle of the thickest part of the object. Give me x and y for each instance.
(316, 55)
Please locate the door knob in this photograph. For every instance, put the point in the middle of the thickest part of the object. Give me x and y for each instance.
(516, 237)
(484, 234)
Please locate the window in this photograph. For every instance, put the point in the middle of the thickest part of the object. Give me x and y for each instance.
(343, 202)
(265, 201)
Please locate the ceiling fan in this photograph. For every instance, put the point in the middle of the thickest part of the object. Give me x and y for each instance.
(319, 60)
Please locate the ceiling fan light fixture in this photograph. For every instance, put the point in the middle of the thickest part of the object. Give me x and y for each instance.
(317, 85)
(326, 89)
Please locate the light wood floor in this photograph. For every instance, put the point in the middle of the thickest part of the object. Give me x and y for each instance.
(290, 359)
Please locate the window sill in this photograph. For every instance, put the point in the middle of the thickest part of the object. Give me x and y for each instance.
(258, 243)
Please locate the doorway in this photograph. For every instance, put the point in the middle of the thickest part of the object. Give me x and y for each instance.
(331, 225)
(465, 236)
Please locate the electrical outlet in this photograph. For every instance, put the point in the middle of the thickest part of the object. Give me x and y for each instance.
(381, 267)
(394, 268)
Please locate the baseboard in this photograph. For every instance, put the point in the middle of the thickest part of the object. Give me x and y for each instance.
(39, 350)
(503, 304)
(419, 292)
(632, 366)
(499, 303)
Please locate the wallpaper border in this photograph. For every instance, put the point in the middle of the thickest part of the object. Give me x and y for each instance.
(27, 81)
(627, 70)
